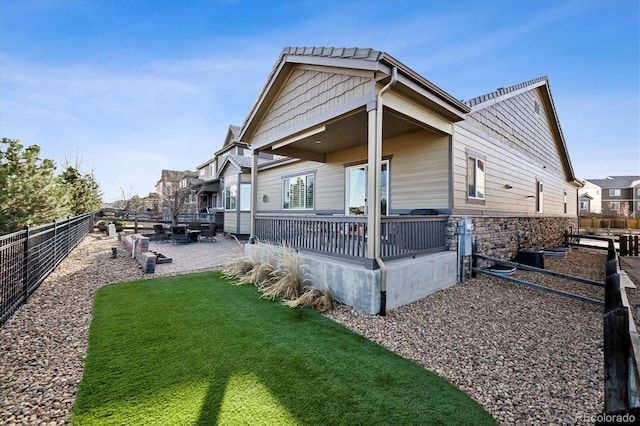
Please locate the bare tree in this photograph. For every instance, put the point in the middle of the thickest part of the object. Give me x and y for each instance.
(176, 193)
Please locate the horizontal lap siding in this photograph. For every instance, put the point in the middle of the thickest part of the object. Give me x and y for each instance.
(419, 174)
(419, 170)
(231, 221)
(507, 166)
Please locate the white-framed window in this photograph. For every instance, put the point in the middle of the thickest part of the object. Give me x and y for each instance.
(298, 192)
(245, 197)
(475, 177)
(539, 197)
(230, 197)
(565, 200)
(584, 205)
(614, 192)
(192, 196)
(638, 192)
(614, 206)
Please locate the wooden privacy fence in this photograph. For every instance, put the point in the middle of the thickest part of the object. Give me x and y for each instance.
(613, 222)
(621, 344)
(27, 257)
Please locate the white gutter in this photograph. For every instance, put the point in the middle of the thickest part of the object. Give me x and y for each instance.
(377, 214)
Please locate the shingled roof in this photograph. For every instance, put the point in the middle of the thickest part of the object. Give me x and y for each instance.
(354, 58)
(505, 90)
(616, 181)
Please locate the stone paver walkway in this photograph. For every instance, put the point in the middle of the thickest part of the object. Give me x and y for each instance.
(200, 256)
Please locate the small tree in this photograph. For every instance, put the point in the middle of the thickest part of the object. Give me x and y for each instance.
(78, 193)
(27, 195)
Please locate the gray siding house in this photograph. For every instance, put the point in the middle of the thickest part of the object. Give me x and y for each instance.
(619, 195)
(382, 166)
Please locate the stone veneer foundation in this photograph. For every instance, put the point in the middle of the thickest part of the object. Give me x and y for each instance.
(503, 236)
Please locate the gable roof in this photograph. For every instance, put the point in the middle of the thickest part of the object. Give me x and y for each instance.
(616, 181)
(366, 59)
(484, 100)
(243, 163)
(504, 93)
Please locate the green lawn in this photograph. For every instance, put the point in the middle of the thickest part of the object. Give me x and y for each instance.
(196, 350)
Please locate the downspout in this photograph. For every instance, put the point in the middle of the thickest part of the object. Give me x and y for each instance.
(254, 195)
(376, 201)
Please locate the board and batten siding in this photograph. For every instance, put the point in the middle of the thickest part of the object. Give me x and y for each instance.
(505, 165)
(522, 123)
(419, 171)
(309, 93)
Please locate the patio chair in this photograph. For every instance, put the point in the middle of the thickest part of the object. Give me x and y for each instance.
(180, 234)
(160, 234)
(209, 233)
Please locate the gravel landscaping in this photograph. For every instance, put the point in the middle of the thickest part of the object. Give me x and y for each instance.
(528, 357)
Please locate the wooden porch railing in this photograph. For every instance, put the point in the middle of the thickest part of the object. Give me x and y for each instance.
(346, 236)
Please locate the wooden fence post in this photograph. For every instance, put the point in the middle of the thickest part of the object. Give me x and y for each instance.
(616, 360)
(623, 245)
(612, 297)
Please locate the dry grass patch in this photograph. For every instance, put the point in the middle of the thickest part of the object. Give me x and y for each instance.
(318, 299)
(237, 269)
(259, 275)
(288, 278)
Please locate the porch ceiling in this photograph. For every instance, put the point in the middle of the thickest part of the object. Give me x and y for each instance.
(343, 133)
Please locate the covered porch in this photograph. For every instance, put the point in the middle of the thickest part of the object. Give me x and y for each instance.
(335, 117)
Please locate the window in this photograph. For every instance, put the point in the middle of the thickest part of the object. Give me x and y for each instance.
(539, 197)
(614, 206)
(638, 192)
(245, 197)
(565, 200)
(475, 177)
(298, 192)
(614, 192)
(230, 196)
(584, 205)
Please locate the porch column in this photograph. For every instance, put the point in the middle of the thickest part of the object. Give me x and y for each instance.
(254, 194)
(372, 190)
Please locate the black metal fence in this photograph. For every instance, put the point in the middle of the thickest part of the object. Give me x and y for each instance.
(27, 257)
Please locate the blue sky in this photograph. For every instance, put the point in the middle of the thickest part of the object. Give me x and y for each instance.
(129, 88)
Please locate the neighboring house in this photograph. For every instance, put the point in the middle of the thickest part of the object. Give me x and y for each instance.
(586, 205)
(620, 195)
(590, 199)
(208, 188)
(234, 174)
(361, 129)
(175, 192)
